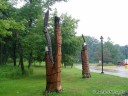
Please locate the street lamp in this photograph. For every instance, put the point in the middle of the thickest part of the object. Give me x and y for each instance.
(102, 52)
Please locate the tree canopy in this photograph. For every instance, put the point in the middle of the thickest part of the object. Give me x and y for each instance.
(23, 27)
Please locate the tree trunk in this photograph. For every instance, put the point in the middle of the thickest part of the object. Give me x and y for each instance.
(53, 72)
(30, 60)
(21, 59)
(14, 52)
(1, 53)
(58, 41)
(5, 54)
(85, 65)
(47, 36)
(19, 63)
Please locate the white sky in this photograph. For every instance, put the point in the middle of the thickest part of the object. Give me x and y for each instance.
(108, 18)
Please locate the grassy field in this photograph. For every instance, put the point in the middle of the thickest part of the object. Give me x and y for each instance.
(72, 83)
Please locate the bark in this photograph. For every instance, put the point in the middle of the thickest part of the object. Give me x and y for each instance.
(30, 60)
(58, 56)
(47, 36)
(85, 65)
(53, 72)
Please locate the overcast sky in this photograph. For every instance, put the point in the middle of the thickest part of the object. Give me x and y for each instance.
(108, 18)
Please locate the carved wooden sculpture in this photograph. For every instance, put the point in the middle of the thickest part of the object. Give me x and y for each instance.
(53, 67)
(84, 57)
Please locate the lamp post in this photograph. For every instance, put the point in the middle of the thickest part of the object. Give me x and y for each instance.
(102, 52)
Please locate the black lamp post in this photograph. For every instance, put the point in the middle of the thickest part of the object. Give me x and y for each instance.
(102, 52)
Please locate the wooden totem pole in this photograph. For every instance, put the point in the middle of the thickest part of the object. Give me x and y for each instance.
(84, 57)
(53, 66)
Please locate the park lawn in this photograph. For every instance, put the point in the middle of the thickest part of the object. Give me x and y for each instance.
(72, 83)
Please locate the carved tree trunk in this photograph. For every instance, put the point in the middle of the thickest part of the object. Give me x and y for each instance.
(85, 65)
(47, 36)
(53, 71)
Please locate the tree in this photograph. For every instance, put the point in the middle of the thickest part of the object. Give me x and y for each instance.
(106, 55)
(122, 51)
(70, 43)
(31, 38)
(110, 53)
(84, 58)
(53, 66)
(8, 24)
(93, 45)
(115, 54)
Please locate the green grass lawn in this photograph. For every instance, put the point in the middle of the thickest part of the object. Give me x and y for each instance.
(72, 83)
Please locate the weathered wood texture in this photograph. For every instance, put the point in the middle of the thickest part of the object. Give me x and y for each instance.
(85, 65)
(53, 71)
(47, 36)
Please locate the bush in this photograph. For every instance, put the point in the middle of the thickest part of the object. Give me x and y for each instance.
(7, 71)
(28, 71)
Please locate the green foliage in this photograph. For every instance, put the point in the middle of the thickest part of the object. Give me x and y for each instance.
(114, 53)
(92, 45)
(31, 38)
(8, 71)
(111, 53)
(69, 60)
(70, 43)
(6, 25)
(25, 26)
(3, 4)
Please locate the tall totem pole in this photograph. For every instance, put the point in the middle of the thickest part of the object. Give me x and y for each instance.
(53, 66)
(84, 57)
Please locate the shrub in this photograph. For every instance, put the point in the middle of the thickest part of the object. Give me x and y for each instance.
(8, 71)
